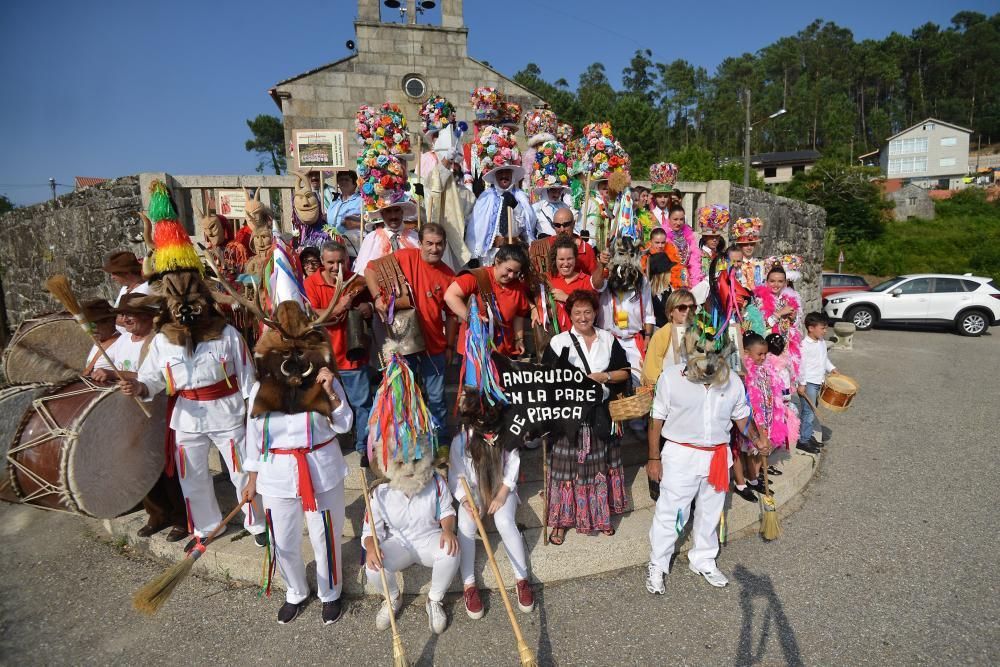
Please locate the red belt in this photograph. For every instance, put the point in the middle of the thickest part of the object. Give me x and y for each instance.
(305, 477)
(220, 389)
(640, 342)
(718, 469)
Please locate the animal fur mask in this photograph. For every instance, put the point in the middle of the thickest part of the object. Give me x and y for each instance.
(706, 358)
(188, 314)
(625, 269)
(407, 476)
(289, 356)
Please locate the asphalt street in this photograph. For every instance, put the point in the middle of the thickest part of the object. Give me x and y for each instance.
(891, 559)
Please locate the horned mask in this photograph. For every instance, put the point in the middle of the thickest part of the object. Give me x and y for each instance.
(188, 314)
(625, 268)
(706, 356)
(304, 200)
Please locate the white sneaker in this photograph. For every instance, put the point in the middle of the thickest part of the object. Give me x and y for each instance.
(654, 579)
(382, 620)
(713, 576)
(437, 619)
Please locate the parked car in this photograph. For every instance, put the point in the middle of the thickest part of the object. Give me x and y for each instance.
(835, 283)
(969, 303)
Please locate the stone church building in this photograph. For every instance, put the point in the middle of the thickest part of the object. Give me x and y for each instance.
(404, 63)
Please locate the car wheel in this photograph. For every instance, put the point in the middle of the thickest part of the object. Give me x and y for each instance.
(862, 317)
(971, 323)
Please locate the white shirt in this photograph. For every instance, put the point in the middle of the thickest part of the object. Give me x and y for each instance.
(544, 212)
(461, 465)
(141, 288)
(694, 413)
(639, 312)
(378, 243)
(598, 356)
(213, 361)
(124, 352)
(815, 362)
(278, 475)
(411, 520)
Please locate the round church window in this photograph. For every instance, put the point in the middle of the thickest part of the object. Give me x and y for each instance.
(414, 86)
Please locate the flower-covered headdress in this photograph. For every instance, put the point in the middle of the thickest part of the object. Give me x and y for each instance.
(382, 180)
(510, 114)
(496, 148)
(792, 264)
(540, 126)
(386, 125)
(551, 168)
(564, 133)
(663, 175)
(600, 153)
(713, 219)
(747, 230)
(436, 113)
(486, 105)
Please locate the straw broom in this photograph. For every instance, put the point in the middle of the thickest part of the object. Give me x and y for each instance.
(398, 654)
(151, 597)
(58, 285)
(527, 657)
(769, 528)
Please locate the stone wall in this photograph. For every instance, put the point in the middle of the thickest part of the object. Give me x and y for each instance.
(72, 235)
(790, 226)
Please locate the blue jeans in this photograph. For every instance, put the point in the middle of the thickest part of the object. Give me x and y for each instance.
(430, 368)
(359, 395)
(806, 428)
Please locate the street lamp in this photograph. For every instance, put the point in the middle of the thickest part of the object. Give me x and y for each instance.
(746, 139)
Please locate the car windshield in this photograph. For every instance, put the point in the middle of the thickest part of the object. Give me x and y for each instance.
(881, 287)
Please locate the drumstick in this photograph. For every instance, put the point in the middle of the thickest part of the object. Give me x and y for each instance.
(813, 406)
(58, 285)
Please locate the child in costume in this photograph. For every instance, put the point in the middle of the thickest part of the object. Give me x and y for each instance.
(782, 312)
(765, 392)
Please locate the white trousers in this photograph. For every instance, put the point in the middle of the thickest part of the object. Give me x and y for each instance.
(634, 358)
(511, 536)
(196, 480)
(286, 521)
(685, 477)
(399, 554)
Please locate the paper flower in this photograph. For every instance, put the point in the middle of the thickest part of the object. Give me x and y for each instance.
(385, 124)
(712, 219)
(496, 147)
(747, 230)
(551, 168)
(486, 104)
(437, 113)
(600, 153)
(540, 126)
(787, 262)
(381, 178)
(564, 133)
(663, 174)
(510, 113)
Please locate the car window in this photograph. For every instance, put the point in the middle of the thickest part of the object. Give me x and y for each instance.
(916, 286)
(884, 286)
(970, 285)
(827, 281)
(856, 281)
(948, 285)
(836, 281)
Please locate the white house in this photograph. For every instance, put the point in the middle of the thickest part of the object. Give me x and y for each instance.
(931, 154)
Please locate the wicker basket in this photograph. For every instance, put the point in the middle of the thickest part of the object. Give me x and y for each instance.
(635, 406)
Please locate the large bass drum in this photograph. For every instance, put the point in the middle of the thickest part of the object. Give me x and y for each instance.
(86, 448)
(15, 400)
(48, 348)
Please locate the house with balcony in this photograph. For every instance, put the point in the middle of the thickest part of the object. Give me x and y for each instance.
(932, 154)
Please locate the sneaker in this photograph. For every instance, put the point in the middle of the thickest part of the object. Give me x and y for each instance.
(332, 612)
(816, 443)
(746, 493)
(713, 576)
(289, 612)
(260, 539)
(654, 579)
(364, 461)
(806, 447)
(473, 603)
(382, 621)
(437, 619)
(525, 598)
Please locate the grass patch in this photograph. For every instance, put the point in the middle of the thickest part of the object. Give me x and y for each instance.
(964, 237)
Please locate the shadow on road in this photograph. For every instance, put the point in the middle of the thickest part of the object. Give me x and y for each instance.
(773, 621)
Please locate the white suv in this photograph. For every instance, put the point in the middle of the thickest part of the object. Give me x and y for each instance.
(970, 303)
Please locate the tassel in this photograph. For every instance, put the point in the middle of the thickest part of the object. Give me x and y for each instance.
(225, 375)
(722, 527)
(180, 461)
(331, 553)
(679, 524)
(235, 453)
(266, 436)
(190, 517)
(171, 385)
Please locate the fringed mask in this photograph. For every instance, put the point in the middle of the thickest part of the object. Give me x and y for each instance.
(289, 355)
(706, 353)
(408, 476)
(188, 315)
(304, 200)
(625, 269)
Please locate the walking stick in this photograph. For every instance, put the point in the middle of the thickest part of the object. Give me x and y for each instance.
(58, 285)
(545, 490)
(510, 226)
(527, 657)
(398, 654)
(419, 177)
(151, 597)
(586, 203)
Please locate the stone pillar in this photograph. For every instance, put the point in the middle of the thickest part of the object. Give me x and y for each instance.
(451, 14)
(368, 10)
(411, 12)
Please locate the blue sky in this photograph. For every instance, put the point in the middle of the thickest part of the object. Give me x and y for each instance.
(116, 87)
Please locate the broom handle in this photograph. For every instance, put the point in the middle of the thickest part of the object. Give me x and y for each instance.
(104, 353)
(493, 561)
(510, 226)
(763, 464)
(222, 524)
(378, 552)
(813, 406)
(545, 490)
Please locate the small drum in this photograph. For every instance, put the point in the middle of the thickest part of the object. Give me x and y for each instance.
(49, 348)
(87, 449)
(15, 400)
(838, 392)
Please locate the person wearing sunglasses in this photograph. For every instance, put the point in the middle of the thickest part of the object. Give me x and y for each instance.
(666, 347)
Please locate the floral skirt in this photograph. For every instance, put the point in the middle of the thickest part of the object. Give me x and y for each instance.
(586, 483)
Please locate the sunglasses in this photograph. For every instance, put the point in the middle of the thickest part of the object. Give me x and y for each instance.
(683, 307)
(556, 225)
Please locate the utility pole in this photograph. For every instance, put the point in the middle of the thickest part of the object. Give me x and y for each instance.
(746, 142)
(52, 186)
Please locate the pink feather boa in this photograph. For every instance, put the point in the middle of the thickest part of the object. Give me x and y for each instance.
(765, 389)
(792, 422)
(693, 253)
(768, 305)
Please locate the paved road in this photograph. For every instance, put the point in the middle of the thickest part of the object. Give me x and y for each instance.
(891, 560)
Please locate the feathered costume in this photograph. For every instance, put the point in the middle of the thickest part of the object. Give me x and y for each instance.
(789, 329)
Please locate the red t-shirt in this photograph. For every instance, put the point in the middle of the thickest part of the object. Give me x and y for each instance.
(581, 281)
(512, 301)
(429, 282)
(320, 295)
(586, 258)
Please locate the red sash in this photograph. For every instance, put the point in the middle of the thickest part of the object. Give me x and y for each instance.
(718, 469)
(220, 389)
(305, 477)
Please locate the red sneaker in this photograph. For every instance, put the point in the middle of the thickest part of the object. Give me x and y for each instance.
(525, 598)
(473, 605)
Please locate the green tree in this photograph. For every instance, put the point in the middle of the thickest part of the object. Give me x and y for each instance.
(5, 204)
(638, 77)
(268, 142)
(851, 196)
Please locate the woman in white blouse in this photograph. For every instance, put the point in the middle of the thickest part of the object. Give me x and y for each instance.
(586, 480)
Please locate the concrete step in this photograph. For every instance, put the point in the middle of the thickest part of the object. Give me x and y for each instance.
(235, 556)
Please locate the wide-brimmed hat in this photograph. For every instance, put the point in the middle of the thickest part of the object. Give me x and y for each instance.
(132, 304)
(98, 310)
(663, 175)
(747, 230)
(122, 261)
(496, 149)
